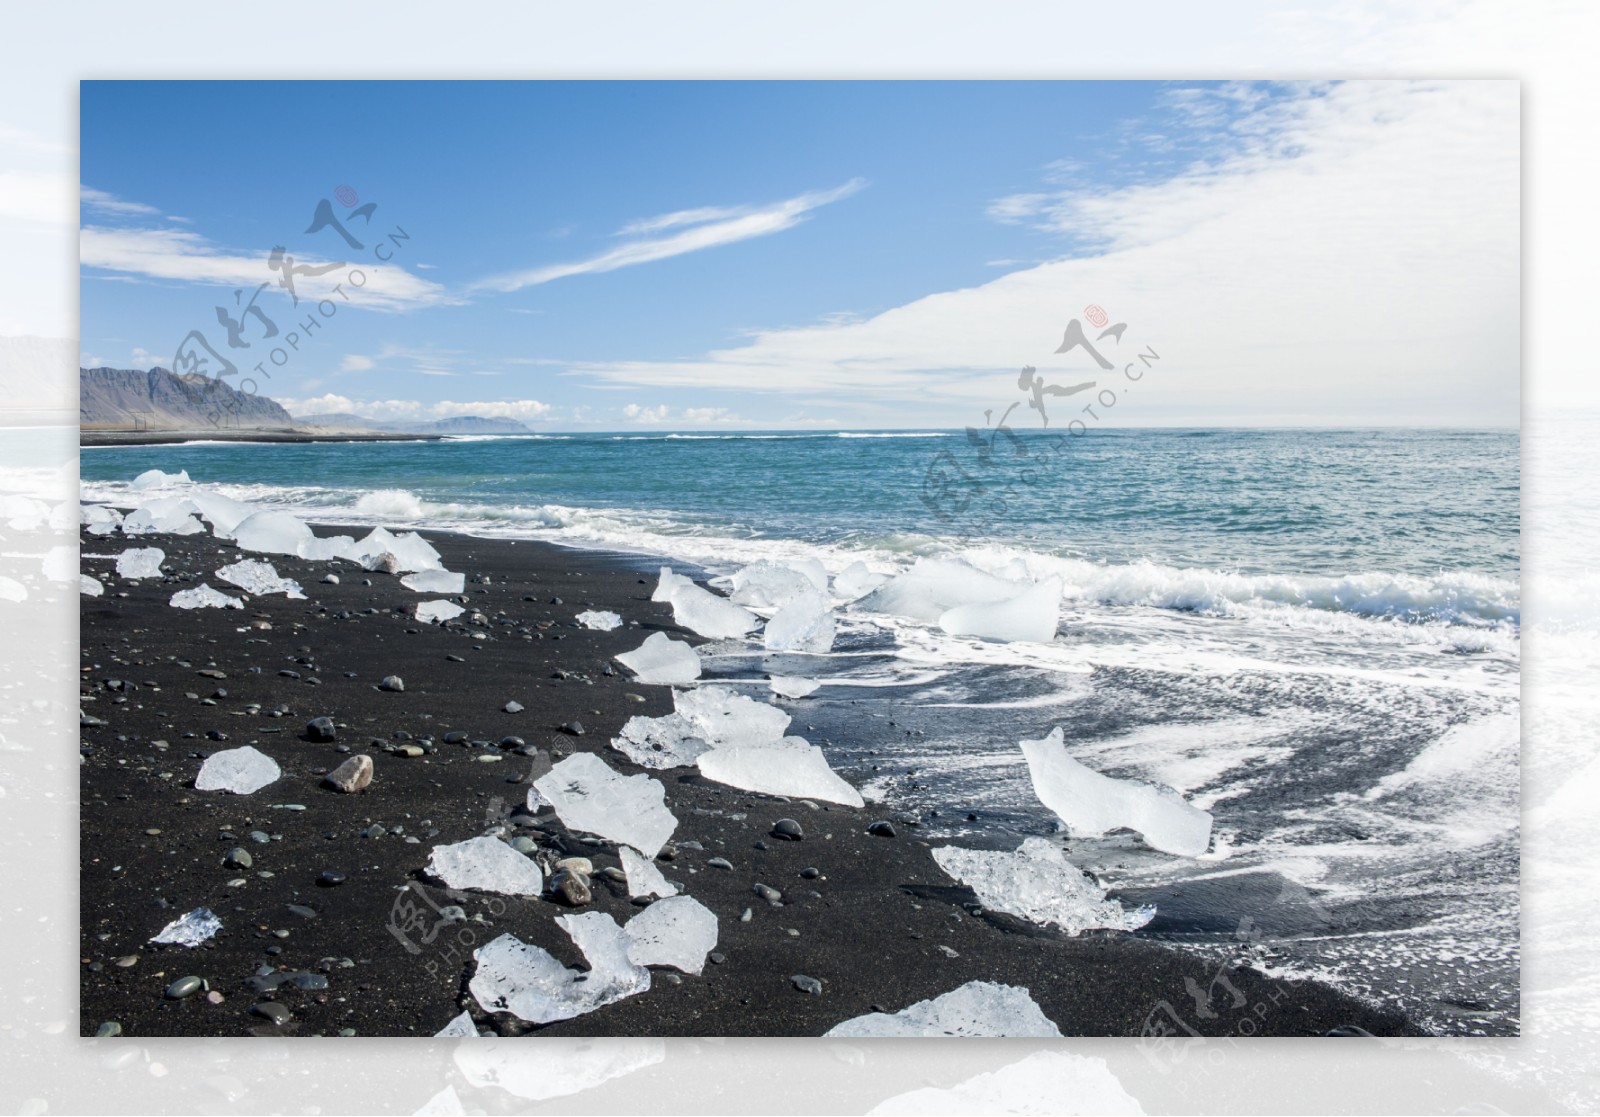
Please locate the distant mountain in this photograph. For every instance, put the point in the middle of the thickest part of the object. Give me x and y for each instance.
(159, 400)
(459, 424)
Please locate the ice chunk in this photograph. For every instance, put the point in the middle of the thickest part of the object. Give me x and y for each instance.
(703, 612)
(1091, 804)
(274, 533)
(530, 983)
(487, 864)
(589, 796)
(140, 562)
(672, 741)
(722, 717)
(167, 515)
(155, 479)
(191, 930)
(792, 686)
(678, 931)
(90, 587)
(410, 550)
(99, 519)
(644, 879)
(1039, 884)
(803, 625)
(1031, 615)
(434, 612)
(243, 771)
(435, 581)
(790, 767)
(321, 548)
(223, 513)
(603, 620)
(769, 585)
(661, 659)
(255, 576)
(856, 580)
(461, 1027)
(934, 586)
(667, 583)
(204, 597)
(976, 1009)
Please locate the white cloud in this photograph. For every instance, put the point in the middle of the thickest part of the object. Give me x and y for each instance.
(332, 402)
(663, 415)
(709, 228)
(355, 362)
(177, 254)
(1354, 260)
(109, 203)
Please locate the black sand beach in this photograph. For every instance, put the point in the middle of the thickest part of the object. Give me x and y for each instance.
(881, 927)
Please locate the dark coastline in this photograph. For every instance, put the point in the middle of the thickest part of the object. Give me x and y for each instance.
(880, 934)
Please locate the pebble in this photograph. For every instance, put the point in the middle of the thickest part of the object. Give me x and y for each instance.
(376, 830)
(769, 894)
(720, 863)
(881, 829)
(321, 729)
(746, 915)
(271, 1011)
(788, 830)
(108, 1029)
(807, 984)
(330, 579)
(214, 998)
(630, 696)
(127, 960)
(573, 727)
(238, 858)
(329, 878)
(524, 844)
(571, 888)
(260, 837)
(576, 865)
(351, 776)
(392, 682)
(302, 911)
(717, 957)
(455, 737)
(810, 872)
(408, 750)
(490, 757)
(185, 987)
(513, 707)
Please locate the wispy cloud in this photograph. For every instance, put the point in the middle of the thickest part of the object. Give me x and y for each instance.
(102, 202)
(708, 227)
(181, 255)
(664, 415)
(523, 410)
(355, 362)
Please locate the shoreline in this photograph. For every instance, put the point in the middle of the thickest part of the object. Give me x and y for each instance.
(97, 438)
(880, 926)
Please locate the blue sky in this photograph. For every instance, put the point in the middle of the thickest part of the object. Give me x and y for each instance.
(597, 255)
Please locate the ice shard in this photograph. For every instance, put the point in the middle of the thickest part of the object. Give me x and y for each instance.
(589, 796)
(1039, 884)
(661, 659)
(243, 771)
(976, 1009)
(678, 931)
(486, 864)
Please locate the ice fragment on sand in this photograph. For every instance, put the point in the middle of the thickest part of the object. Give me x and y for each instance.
(140, 562)
(678, 931)
(433, 612)
(667, 583)
(665, 742)
(99, 519)
(435, 581)
(411, 551)
(644, 879)
(1030, 615)
(155, 479)
(1091, 804)
(661, 659)
(324, 547)
(978, 1008)
(191, 930)
(805, 624)
(934, 586)
(792, 686)
(167, 515)
(790, 767)
(602, 619)
(204, 597)
(769, 585)
(90, 587)
(530, 983)
(255, 576)
(487, 864)
(242, 771)
(273, 533)
(717, 618)
(1039, 884)
(856, 580)
(722, 717)
(223, 513)
(461, 1027)
(588, 795)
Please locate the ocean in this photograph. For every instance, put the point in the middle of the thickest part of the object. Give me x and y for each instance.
(1313, 634)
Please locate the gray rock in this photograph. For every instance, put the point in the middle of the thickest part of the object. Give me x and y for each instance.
(108, 1029)
(769, 894)
(271, 1011)
(720, 863)
(392, 682)
(807, 984)
(328, 878)
(524, 844)
(881, 829)
(351, 776)
(321, 729)
(810, 872)
(788, 830)
(513, 707)
(573, 727)
(185, 987)
(238, 858)
(571, 888)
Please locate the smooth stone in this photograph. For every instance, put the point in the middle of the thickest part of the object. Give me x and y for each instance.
(328, 878)
(810, 872)
(455, 737)
(524, 844)
(376, 830)
(185, 987)
(573, 727)
(409, 750)
(768, 893)
(881, 829)
(238, 858)
(571, 888)
(807, 984)
(302, 911)
(126, 961)
(321, 729)
(351, 776)
(577, 865)
(260, 837)
(720, 863)
(717, 957)
(788, 830)
(270, 1011)
(108, 1029)
(513, 707)
(746, 915)
(392, 682)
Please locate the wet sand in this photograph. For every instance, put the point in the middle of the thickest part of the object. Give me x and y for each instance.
(881, 926)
